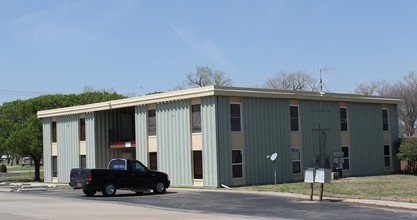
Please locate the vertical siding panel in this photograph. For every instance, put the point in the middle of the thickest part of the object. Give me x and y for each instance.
(174, 144)
(102, 139)
(224, 141)
(267, 131)
(209, 135)
(367, 150)
(47, 149)
(90, 140)
(68, 145)
(395, 135)
(141, 134)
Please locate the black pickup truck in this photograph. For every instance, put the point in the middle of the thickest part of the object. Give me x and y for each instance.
(120, 174)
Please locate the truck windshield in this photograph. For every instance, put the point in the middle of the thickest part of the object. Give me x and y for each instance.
(117, 165)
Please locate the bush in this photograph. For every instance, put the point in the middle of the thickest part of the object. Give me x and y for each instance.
(3, 168)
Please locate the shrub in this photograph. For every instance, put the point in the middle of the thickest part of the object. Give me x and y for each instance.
(3, 168)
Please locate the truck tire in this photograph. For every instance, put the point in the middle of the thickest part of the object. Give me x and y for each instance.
(89, 192)
(160, 187)
(109, 189)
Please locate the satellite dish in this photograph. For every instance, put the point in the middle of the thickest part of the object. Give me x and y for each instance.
(273, 156)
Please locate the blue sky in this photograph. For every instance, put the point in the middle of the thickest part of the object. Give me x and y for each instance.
(137, 47)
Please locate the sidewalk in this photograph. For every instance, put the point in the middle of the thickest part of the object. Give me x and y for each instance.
(39, 186)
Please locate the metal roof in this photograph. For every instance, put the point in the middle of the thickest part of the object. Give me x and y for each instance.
(216, 91)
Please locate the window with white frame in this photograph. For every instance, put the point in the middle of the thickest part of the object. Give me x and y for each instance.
(385, 120)
(387, 155)
(237, 164)
(295, 122)
(343, 119)
(235, 117)
(346, 158)
(296, 160)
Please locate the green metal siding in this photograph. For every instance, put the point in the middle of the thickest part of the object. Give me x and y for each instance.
(90, 140)
(209, 135)
(395, 135)
(141, 134)
(68, 148)
(224, 140)
(320, 129)
(267, 131)
(102, 139)
(174, 142)
(47, 149)
(367, 150)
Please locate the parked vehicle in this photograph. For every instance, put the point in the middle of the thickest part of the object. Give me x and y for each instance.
(120, 174)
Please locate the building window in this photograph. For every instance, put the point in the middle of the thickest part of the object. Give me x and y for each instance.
(196, 118)
(82, 129)
(296, 160)
(54, 131)
(54, 166)
(387, 155)
(153, 161)
(237, 164)
(295, 124)
(83, 161)
(343, 119)
(152, 122)
(198, 164)
(385, 119)
(346, 160)
(235, 117)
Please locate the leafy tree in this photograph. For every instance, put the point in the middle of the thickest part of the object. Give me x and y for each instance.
(408, 152)
(297, 81)
(205, 76)
(21, 130)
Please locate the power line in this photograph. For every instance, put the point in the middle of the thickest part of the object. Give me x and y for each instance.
(21, 92)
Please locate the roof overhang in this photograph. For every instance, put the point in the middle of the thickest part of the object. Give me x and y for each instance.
(216, 91)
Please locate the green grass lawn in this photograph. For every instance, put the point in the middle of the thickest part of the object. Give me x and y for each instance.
(19, 173)
(396, 187)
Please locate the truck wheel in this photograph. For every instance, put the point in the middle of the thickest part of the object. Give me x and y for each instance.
(159, 187)
(109, 189)
(89, 192)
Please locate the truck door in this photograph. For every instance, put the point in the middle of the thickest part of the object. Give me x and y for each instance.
(141, 178)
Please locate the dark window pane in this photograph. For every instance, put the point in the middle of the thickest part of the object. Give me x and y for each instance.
(54, 166)
(346, 164)
(54, 131)
(83, 161)
(237, 171)
(82, 129)
(196, 118)
(294, 118)
(235, 120)
(385, 119)
(152, 122)
(345, 151)
(387, 161)
(236, 156)
(386, 150)
(198, 164)
(296, 167)
(153, 164)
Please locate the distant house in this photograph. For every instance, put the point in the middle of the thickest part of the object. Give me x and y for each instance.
(222, 135)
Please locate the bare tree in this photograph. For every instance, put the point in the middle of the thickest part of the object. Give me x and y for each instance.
(297, 81)
(205, 76)
(405, 89)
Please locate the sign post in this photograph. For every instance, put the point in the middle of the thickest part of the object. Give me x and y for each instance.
(322, 176)
(309, 178)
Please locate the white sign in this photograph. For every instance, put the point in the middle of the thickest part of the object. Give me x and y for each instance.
(323, 176)
(128, 144)
(309, 175)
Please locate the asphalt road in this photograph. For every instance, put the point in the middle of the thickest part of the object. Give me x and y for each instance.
(214, 203)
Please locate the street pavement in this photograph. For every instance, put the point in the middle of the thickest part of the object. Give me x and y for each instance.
(17, 206)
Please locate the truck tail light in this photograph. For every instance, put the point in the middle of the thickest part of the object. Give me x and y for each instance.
(89, 176)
